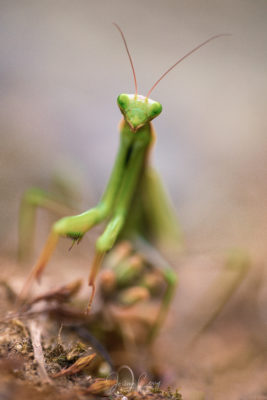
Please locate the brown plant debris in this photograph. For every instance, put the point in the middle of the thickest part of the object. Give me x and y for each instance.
(100, 386)
(60, 294)
(79, 365)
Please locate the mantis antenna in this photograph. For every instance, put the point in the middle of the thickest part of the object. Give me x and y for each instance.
(185, 56)
(129, 55)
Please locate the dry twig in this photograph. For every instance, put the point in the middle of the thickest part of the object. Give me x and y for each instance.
(35, 332)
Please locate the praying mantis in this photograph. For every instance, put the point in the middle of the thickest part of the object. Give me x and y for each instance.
(133, 204)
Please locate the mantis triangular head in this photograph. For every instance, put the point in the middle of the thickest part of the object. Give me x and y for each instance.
(138, 110)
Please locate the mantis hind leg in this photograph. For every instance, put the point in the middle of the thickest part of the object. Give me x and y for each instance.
(155, 222)
(154, 258)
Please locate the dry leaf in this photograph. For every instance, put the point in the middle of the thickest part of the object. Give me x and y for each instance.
(78, 366)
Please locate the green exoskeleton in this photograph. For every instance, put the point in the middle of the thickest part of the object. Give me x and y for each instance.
(133, 204)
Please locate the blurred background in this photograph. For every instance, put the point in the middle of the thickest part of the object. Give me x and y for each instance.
(62, 66)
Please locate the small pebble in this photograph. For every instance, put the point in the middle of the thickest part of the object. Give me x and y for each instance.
(18, 346)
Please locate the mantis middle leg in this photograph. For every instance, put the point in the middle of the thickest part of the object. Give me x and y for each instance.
(32, 199)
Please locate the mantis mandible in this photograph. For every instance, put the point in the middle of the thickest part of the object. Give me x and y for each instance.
(127, 203)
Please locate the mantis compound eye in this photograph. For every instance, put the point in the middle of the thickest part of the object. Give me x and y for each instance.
(155, 109)
(123, 101)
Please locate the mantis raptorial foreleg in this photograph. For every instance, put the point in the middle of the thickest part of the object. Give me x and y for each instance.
(122, 180)
(128, 186)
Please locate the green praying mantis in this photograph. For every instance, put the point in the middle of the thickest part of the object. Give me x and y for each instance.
(134, 203)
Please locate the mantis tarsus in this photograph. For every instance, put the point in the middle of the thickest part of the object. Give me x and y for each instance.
(127, 202)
